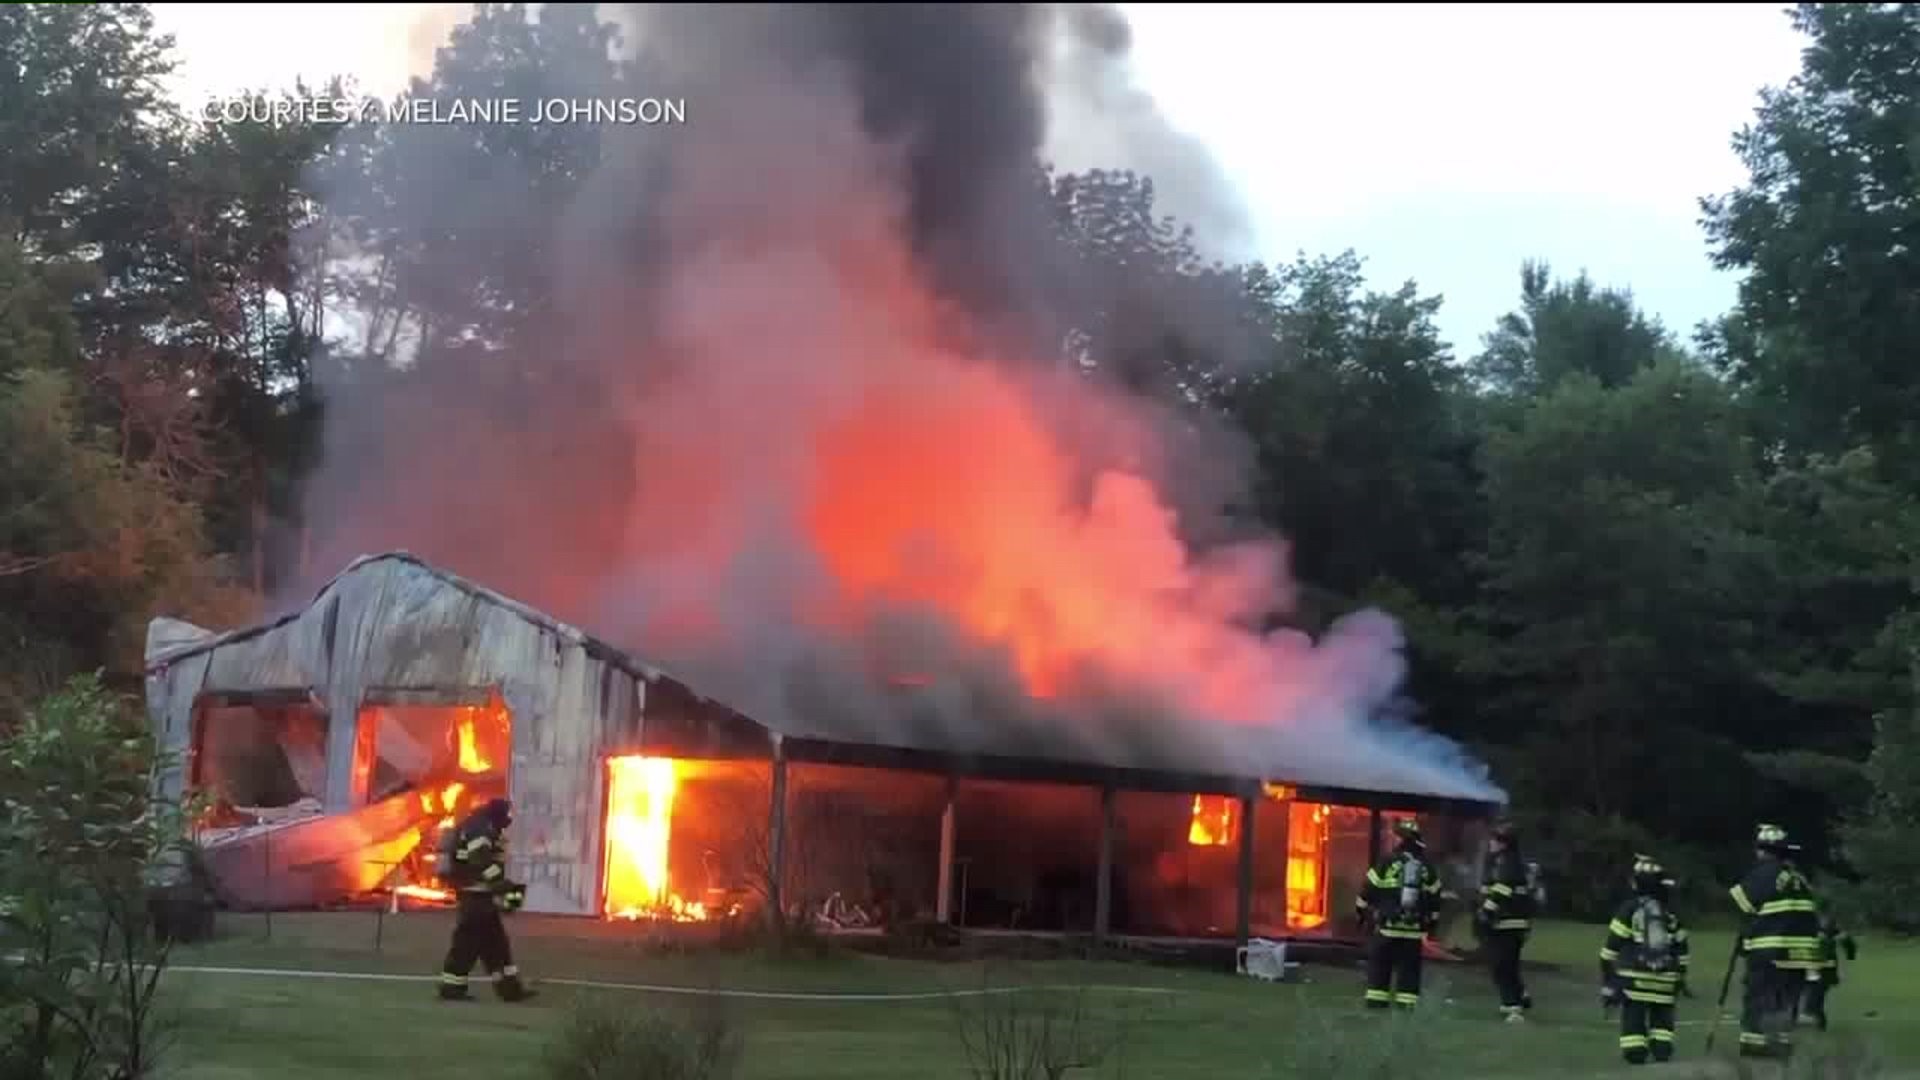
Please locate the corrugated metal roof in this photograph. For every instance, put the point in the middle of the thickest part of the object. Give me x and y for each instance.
(918, 725)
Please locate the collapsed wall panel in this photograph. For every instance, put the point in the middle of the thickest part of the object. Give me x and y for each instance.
(311, 860)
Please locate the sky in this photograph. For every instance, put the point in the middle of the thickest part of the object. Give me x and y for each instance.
(1443, 143)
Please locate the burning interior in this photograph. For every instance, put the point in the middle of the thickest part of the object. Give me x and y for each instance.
(262, 762)
(688, 841)
(638, 800)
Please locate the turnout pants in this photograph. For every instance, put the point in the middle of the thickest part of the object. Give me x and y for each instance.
(1503, 955)
(1393, 971)
(480, 934)
(1766, 1009)
(1646, 1031)
(1813, 997)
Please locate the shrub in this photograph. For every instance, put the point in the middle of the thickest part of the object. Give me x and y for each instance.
(1321, 1041)
(1018, 1028)
(86, 841)
(605, 1040)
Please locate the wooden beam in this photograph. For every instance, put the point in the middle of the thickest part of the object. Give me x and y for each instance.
(943, 906)
(1243, 919)
(776, 841)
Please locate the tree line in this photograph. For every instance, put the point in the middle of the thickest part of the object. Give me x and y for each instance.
(1665, 581)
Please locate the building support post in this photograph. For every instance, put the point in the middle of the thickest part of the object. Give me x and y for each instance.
(1374, 838)
(943, 904)
(777, 840)
(1243, 919)
(1103, 885)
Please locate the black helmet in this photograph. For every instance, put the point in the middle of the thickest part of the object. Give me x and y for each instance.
(1771, 838)
(1503, 831)
(500, 812)
(1408, 832)
(1649, 876)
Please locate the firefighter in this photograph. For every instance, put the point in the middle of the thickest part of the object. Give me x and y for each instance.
(1780, 939)
(477, 869)
(1400, 905)
(1826, 975)
(1643, 965)
(1505, 918)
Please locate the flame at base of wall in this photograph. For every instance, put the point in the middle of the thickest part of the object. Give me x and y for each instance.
(639, 836)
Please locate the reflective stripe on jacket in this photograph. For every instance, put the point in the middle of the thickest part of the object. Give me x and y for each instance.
(1783, 918)
(1628, 961)
(1381, 898)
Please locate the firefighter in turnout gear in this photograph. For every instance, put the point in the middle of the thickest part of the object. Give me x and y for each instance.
(1780, 940)
(1643, 965)
(1820, 979)
(475, 855)
(1400, 904)
(1505, 918)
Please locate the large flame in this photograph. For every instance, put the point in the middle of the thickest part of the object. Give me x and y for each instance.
(443, 802)
(816, 436)
(639, 835)
(1307, 829)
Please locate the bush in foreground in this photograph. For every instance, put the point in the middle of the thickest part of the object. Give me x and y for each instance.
(1322, 1042)
(85, 843)
(619, 1039)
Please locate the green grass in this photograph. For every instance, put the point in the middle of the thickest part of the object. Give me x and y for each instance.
(1205, 1025)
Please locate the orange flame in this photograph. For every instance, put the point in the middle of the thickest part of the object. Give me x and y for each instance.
(1307, 828)
(1216, 821)
(473, 760)
(640, 792)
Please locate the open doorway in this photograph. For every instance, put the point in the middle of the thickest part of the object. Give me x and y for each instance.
(258, 757)
(433, 758)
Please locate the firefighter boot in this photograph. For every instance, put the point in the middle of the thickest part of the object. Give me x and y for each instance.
(508, 985)
(454, 988)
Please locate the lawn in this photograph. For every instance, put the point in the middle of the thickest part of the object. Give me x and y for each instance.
(1179, 1023)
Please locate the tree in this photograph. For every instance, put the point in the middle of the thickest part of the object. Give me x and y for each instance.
(1827, 230)
(78, 84)
(1617, 559)
(1879, 843)
(1837, 537)
(91, 544)
(1360, 438)
(1564, 329)
(86, 841)
(461, 221)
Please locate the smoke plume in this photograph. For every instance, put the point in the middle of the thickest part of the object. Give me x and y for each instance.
(801, 433)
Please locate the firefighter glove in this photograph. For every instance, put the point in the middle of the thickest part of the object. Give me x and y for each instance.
(1609, 997)
(510, 898)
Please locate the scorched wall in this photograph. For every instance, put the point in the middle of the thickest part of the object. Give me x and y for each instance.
(393, 630)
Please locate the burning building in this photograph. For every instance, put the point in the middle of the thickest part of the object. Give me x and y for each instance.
(336, 741)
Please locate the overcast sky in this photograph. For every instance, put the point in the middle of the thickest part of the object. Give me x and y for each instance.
(1443, 143)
